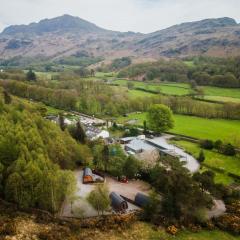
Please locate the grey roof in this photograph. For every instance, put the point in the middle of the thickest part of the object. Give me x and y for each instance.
(118, 202)
(138, 144)
(141, 200)
(87, 172)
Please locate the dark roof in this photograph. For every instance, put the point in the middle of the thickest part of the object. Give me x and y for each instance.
(118, 202)
(141, 200)
(87, 172)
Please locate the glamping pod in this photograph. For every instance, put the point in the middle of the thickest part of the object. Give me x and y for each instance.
(87, 175)
(141, 200)
(118, 203)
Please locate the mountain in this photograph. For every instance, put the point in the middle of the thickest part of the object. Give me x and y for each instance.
(65, 23)
(67, 35)
(214, 37)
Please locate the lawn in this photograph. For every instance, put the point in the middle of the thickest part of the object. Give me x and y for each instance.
(214, 159)
(179, 89)
(202, 128)
(222, 94)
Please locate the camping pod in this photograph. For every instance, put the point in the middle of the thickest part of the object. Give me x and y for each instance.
(87, 175)
(118, 203)
(141, 200)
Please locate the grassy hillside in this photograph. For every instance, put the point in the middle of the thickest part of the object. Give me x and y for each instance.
(214, 159)
(178, 89)
(202, 128)
(222, 94)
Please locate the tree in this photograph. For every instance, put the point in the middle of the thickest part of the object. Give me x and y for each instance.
(31, 76)
(218, 145)
(99, 198)
(229, 150)
(201, 156)
(160, 118)
(105, 156)
(144, 126)
(207, 144)
(80, 133)
(131, 167)
(7, 97)
(61, 122)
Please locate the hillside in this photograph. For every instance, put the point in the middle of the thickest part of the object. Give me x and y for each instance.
(67, 35)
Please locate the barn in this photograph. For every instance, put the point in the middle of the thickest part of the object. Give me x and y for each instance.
(87, 176)
(141, 200)
(118, 203)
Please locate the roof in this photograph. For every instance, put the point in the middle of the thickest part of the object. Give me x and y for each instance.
(117, 201)
(87, 172)
(141, 200)
(138, 144)
(127, 139)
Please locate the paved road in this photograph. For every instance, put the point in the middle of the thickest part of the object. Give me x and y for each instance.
(218, 209)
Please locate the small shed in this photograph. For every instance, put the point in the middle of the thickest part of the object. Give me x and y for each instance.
(141, 200)
(117, 202)
(87, 175)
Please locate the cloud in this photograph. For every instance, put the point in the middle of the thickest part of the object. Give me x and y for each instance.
(123, 15)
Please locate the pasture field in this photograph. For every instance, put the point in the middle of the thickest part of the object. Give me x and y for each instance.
(202, 128)
(222, 94)
(179, 89)
(222, 99)
(214, 159)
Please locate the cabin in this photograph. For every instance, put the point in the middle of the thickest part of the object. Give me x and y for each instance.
(118, 203)
(87, 176)
(141, 200)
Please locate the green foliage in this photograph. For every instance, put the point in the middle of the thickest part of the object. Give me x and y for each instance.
(201, 157)
(31, 151)
(99, 198)
(179, 191)
(160, 118)
(31, 76)
(120, 63)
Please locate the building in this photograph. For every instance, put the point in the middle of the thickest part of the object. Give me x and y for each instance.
(137, 146)
(87, 176)
(141, 200)
(118, 203)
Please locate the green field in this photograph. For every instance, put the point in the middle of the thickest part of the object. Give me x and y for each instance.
(179, 89)
(202, 128)
(222, 94)
(214, 159)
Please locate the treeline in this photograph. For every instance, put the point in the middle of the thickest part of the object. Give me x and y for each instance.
(203, 70)
(60, 98)
(31, 151)
(171, 71)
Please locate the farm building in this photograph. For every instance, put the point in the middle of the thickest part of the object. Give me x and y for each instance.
(87, 176)
(141, 200)
(118, 203)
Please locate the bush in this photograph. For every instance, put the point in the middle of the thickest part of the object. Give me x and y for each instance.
(172, 230)
(229, 150)
(207, 144)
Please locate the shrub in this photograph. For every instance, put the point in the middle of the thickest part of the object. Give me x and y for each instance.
(172, 230)
(207, 144)
(229, 150)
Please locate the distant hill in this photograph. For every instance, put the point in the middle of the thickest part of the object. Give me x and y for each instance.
(67, 35)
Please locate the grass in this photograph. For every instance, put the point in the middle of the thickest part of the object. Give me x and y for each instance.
(202, 128)
(179, 89)
(222, 94)
(214, 159)
(222, 99)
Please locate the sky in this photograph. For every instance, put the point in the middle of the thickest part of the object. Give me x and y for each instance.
(120, 15)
